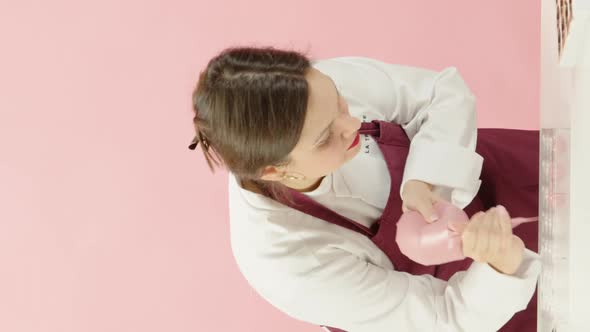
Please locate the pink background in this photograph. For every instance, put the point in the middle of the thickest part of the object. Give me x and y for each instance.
(107, 221)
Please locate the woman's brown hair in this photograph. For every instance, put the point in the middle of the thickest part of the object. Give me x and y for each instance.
(250, 105)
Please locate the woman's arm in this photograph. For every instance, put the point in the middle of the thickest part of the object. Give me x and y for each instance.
(435, 108)
(346, 292)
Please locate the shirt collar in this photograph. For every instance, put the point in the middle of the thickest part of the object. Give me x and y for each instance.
(340, 186)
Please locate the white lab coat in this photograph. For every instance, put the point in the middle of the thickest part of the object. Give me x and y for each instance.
(324, 274)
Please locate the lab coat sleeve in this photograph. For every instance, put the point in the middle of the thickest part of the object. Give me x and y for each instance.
(352, 294)
(437, 112)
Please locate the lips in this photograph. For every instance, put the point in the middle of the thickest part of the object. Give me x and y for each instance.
(355, 142)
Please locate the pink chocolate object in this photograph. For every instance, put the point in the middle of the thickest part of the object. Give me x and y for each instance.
(438, 242)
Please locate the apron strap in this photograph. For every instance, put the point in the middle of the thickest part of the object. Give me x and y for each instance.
(307, 205)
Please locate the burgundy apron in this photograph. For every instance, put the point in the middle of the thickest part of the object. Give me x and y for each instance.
(510, 177)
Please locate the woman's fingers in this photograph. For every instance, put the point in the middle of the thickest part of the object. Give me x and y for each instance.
(427, 210)
(488, 235)
(483, 235)
(469, 236)
(437, 198)
(497, 237)
(505, 225)
(419, 196)
(424, 207)
(488, 239)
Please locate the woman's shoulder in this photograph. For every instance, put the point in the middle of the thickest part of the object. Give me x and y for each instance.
(263, 225)
(272, 244)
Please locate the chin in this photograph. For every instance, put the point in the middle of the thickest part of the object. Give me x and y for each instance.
(353, 152)
(350, 154)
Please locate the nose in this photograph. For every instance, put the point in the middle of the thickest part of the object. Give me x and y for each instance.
(350, 126)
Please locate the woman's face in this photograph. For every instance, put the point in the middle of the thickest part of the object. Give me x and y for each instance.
(327, 134)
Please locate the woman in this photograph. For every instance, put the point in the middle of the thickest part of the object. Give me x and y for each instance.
(325, 155)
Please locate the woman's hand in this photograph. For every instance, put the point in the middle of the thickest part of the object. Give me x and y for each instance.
(418, 196)
(488, 238)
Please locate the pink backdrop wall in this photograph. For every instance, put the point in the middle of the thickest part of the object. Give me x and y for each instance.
(107, 221)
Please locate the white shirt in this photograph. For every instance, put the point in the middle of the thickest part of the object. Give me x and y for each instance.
(325, 274)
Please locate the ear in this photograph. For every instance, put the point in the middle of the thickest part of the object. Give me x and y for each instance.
(272, 173)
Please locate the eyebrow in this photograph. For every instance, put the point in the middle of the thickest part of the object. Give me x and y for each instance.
(322, 134)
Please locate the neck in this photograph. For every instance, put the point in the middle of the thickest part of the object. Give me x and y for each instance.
(303, 185)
